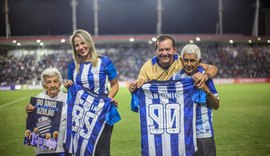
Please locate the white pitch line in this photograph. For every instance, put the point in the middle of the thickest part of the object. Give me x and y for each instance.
(12, 102)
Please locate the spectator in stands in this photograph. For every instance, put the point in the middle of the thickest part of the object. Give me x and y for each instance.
(191, 58)
(91, 71)
(233, 61)
(166, 63)
(51, 81)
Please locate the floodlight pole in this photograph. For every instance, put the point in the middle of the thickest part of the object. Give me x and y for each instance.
(159, 17)
(74, 4)
(96, 17)
(7, 20)
(256, 19)
(220, 11)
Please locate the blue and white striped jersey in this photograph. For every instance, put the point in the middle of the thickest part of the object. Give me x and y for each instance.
(204, 113)
(167, 117)
(86, 117)
(93, 78)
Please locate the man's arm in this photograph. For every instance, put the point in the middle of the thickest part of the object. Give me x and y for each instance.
(142, 78)
(210, 71)
(212, 100)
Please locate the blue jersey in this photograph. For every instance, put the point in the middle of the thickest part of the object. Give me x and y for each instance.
(204, 116)
(86, 118)
(204, 113)
(167, 116)
(93, 78)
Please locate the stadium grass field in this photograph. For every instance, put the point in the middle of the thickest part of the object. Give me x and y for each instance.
(242, 124)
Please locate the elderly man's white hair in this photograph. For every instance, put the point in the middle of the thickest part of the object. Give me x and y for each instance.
(191, 49)
(50, 72)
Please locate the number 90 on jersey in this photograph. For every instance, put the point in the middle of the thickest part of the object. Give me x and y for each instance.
(165, 118)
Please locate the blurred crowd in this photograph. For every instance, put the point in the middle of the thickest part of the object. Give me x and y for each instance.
(233, 61)
(241, 61)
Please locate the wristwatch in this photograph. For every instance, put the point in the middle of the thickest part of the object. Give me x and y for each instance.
(208, 76)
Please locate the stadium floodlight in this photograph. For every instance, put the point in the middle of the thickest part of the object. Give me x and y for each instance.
(131, 39)
(154, 39)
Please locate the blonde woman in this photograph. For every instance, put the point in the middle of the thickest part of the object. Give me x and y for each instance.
(91, 71)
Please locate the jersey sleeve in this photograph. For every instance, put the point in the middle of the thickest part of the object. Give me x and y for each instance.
(211, 86)
(71, 68)
(112, 116)
(110, 69)
(145, 70)
(199, 96)
(134, 103)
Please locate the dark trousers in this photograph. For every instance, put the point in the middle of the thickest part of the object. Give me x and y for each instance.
(103, 146)
(206, 147)
(55, 154)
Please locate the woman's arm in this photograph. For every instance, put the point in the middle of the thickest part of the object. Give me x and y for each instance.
(114, 88)
(113, 91)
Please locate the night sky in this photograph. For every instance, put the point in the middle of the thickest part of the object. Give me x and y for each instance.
(54, 17)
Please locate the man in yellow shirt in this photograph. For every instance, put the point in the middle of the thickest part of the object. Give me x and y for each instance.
(166, 63)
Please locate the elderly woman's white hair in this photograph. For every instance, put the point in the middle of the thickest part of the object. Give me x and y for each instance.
(50, 72)
(191, 49)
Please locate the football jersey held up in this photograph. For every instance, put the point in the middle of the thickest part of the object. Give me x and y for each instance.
(86, 118)
(167, 117)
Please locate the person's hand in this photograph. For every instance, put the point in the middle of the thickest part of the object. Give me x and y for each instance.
(68, 83)
(204, 88)
(29, 108)
(132, 86)
(199, 79)
(115, 102)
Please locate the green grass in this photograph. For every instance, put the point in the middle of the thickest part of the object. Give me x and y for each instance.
(242, 124)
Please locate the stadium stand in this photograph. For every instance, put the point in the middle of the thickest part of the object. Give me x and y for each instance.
(23, 65)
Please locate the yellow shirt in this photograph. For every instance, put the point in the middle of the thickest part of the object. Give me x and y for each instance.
(152, 71)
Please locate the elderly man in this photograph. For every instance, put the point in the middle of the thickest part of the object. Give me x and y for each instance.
(191, 58)
(51, 81)
(166, 63)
